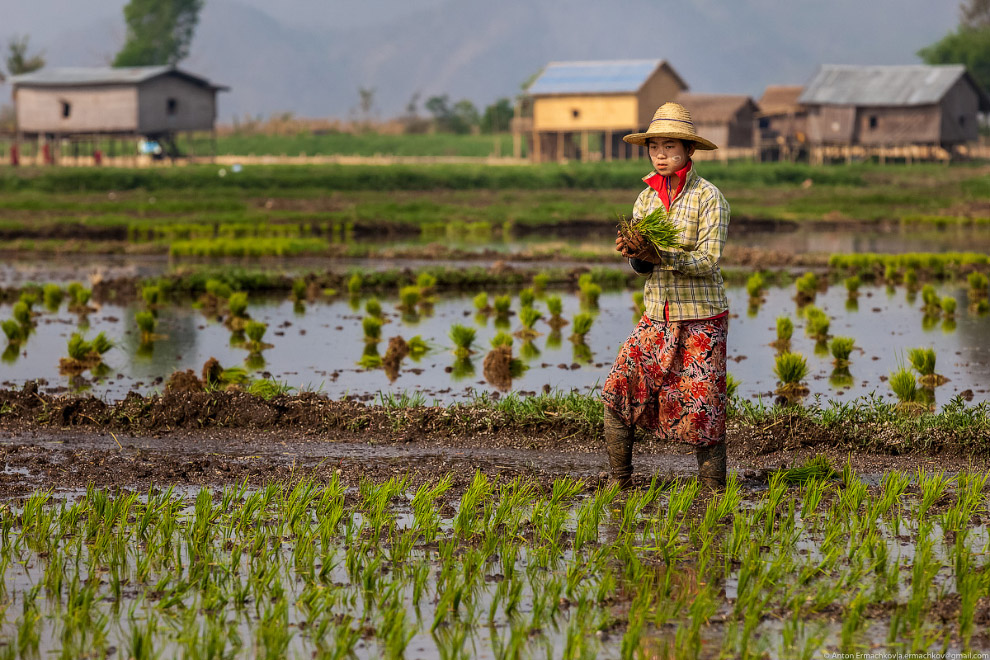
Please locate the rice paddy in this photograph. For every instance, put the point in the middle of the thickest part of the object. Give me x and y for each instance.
(816, 560)
(396, 454)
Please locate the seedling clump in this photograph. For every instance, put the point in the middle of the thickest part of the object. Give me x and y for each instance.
(463, 338)
(791, 369)
(923, 361)
(581, 327)
(841, 347)
(655, 227)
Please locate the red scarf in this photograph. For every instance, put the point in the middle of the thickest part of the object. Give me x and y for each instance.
(659, 183)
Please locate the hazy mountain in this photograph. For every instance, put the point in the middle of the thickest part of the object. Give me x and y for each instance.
(310, 56)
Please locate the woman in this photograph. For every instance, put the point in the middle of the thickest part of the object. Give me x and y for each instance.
(669, 376)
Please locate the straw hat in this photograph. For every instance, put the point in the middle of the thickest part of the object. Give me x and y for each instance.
(671, 120)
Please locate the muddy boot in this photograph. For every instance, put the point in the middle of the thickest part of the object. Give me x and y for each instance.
(711, 466)
(618, 444)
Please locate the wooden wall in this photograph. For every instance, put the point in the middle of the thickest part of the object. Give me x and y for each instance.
(661, 87)
(195, 108)
(832, 124)
(594, 112)
(958, 114)
(898, 125)
(111, 108)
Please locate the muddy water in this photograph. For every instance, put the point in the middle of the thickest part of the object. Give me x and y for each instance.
(319, 348)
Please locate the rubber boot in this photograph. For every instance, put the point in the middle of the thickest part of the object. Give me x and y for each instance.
(711, 466)
(619, 444)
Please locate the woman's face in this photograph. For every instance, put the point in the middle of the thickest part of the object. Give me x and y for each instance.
(669, 155)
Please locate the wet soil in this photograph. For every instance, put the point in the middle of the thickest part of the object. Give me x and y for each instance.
(226, 437)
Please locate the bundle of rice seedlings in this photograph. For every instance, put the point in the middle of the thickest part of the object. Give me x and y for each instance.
(152, 295)
(841, 348)
(528, 316)
(101, 343)
(904, 385)
(255, 331)
(463, 338)
(299, 289)
(911, 278)
(417, 347)
(807, 287)
(930, 301)
(852, 285)
(501, 339)
(526, 298)
(814, 469)
(354, 284)
(949, 306)
(977, 286)
(16, 333)
(540, 281)
(502, 304)
(755, 285)
(555, 306)
(53, 295)
(890, 273)
(374, 308)
(589, 293)
(269, 388)
(372, 326)
(237, 304)
(78, 347)
(218, 289)
(923, 361)
(146, 323)
(22, 314)
(426, 282)
(817, 324)
(29, 298)
(791, 369)
(655, 227)
(84, 354)
(785, 329)
(581, 326)
(481, 303)
(409, 297)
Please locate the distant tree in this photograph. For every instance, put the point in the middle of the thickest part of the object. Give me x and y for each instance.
(976, 14)
(497, 117)
(158, 31)
(968, 45)
(18, 61)
(460, 118)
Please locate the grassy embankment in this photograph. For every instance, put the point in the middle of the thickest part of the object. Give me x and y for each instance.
(291, 210)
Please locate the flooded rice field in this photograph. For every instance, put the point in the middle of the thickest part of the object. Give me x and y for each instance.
(815, 560)
(322, 345)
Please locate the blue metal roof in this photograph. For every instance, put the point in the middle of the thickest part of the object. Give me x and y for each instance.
(596, 77)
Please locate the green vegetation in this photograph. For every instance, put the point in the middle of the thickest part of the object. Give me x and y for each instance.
(372, 326)
(655, 227)
(904, 385)
(373, 308)
(852, 285)
(785, 329)
(463, 337)
(841, 348)
(817, 323)
(790, 369)
(807, 288)
(580, 326)
(147, 323)
(755, 285)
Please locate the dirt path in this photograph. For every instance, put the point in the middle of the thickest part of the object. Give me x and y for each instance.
(70, 459)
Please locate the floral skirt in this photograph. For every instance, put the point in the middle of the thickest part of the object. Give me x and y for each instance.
(670, 378)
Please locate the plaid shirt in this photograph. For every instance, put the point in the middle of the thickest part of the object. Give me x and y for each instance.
(688, 280)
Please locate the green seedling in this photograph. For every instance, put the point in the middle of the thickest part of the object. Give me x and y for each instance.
(502, 304)
(53, 296)
(655, 227)
(409, 297)
(904, 385)
(372, 326)
(785, 329)
(354, 284)
(755, 285)
(481, 303)
(581, 326)
(948, 306)
(373, 307)
(147, 323)
(807, 287)
(540, 281)
(22, 314)
(463, 337)
(790, 369)
(255, 331)
(852, 285)
(299, 288)
(841, 348)
(817, 323)
(526, 298)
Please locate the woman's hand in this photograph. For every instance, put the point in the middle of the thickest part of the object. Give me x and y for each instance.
(635, 246)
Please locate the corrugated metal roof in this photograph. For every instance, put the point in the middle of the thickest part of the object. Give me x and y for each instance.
(881, 85)
(73, 76)
(593, 77)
